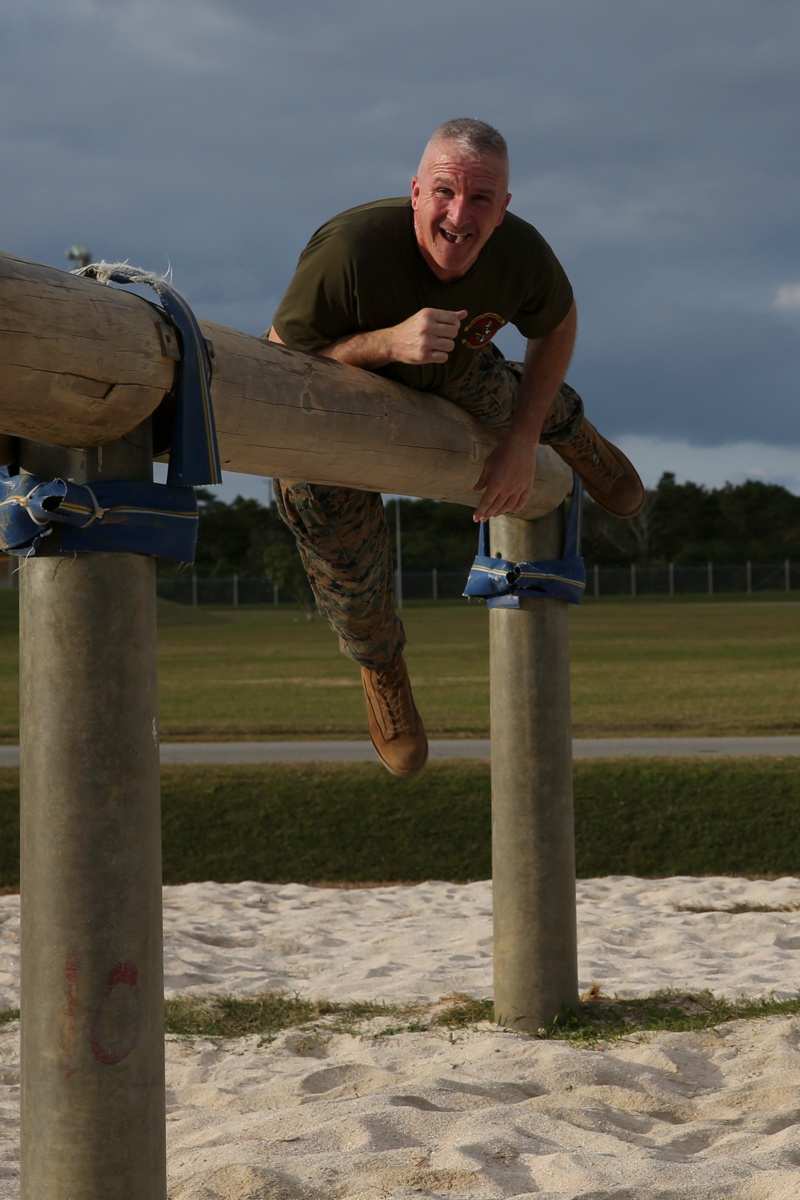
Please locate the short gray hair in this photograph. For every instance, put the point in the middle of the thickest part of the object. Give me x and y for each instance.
(473, 135)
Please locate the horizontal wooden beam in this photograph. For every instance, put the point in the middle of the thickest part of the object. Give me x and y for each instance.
(82, 364)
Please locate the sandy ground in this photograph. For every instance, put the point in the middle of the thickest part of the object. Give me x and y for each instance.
(479, 1113)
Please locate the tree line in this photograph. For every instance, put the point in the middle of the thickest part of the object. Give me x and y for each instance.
(687, 524)
(682, 523)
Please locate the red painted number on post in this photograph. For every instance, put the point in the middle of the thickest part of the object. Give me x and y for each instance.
(123, 974)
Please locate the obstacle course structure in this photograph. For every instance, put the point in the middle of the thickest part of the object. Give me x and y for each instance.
(86, 372)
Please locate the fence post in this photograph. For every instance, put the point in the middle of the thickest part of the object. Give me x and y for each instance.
(235, 590)
(633, 579)
(435, 583)
(672, 579)
(711, 579)
(787, 575)
(596, 573)
(93, 1105)
(533, 841)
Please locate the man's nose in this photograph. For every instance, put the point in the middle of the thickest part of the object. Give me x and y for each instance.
(457, 211)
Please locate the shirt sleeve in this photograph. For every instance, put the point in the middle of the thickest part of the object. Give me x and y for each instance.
(547, 297)
(318, 306)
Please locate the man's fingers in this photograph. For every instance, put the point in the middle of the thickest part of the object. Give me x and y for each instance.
(433, 333)
(443, 318)
(497, 504)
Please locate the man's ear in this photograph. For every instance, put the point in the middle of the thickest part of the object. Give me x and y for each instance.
(415, 191)
(504, 209)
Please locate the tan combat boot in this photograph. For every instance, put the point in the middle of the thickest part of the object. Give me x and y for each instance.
(395, 726)
(608, 476)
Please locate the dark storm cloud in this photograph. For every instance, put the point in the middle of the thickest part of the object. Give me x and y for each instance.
(653, 145)
(724, 376)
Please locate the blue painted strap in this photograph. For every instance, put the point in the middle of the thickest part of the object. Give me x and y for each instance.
(194, 453)
(502, 583)
(121, 517)
(128, 516)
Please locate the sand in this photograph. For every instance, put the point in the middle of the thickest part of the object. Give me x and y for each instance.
(480, 1113)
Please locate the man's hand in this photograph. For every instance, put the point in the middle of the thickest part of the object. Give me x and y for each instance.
(508, 472)
(427, 337)
(506, 479)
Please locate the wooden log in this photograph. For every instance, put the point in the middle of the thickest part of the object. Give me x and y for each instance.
(82, 364)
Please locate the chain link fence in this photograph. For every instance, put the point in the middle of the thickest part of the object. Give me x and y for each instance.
(672, 580)
(709, 579)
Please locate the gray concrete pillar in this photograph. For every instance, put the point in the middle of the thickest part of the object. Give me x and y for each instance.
(533, 841)
(93, 1107)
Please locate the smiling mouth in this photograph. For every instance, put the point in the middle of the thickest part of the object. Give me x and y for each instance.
(455, 239)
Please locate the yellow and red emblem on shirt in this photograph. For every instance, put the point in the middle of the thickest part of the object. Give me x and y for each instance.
(481, 330)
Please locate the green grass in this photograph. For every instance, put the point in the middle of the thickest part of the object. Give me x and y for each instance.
(601, 1019)
(655, 668)
(356, 824)
(266, 1014)
(598, 1020)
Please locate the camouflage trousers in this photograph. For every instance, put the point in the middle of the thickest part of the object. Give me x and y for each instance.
(343, 536)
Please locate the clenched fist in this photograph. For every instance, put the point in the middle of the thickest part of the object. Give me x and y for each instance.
(427, 337)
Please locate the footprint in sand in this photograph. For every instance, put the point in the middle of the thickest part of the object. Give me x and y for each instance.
(352, 1079)
(240, 1181)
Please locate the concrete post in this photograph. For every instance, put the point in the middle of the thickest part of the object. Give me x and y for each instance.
(533, 841)
(93, 1105)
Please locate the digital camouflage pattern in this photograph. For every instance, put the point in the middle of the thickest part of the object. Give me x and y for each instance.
(343, 537)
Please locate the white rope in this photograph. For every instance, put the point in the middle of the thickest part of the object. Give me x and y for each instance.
(25, 502)
(99, 511)
(103, 272)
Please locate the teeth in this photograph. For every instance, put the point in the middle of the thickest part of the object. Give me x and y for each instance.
(455, 239)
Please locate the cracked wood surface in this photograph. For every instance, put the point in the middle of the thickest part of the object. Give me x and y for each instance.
(82, 364)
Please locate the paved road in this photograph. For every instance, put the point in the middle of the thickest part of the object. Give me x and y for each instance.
(262, 752)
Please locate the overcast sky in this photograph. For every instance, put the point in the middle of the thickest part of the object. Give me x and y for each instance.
(653, 142)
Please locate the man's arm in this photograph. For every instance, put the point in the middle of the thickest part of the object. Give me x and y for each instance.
(508, 472)
(426, 337)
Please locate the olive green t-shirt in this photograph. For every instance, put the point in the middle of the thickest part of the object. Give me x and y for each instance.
(363, 270)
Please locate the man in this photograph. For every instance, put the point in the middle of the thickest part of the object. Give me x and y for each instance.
(415, 289)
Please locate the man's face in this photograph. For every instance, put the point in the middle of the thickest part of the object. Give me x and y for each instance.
(459, 198)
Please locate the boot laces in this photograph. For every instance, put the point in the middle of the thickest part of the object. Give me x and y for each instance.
(589, 450)
(394, 694)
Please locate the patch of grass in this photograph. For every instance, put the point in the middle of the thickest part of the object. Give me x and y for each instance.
(650, 668)
(354, 824)
(462, 1012)
(266, 1014)
(664, 817)
(600, 1019)
(332, 823)
(637, 670)
(738, 909)
(338, 823)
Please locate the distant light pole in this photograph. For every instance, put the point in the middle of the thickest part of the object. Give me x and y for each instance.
(79, 254)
